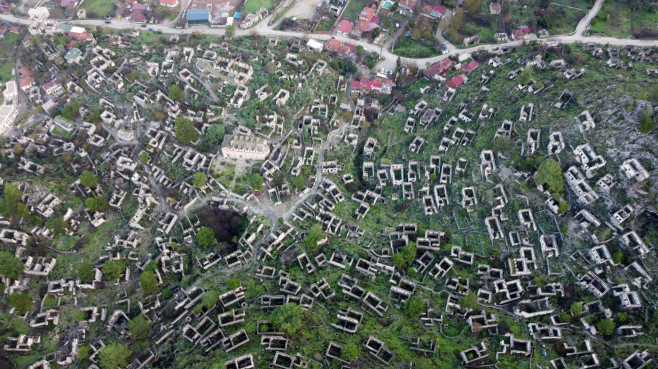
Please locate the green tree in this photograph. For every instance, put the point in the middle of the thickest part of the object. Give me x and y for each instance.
(606, 327)
(376, 32)
(215, 133)
(57, 224)
(86, 272)
(563, 206)
(234, 283)
(576, 309)
(185, 132)
(469, 301)
(71, 111)
(564, 318)
(21, 301)
(139, 327)
(299, 182)
(287, 318)
(114, 356)
(314, 235)
(230, 30)
(256, 181)
(405, 256)
(550, 173)
(11, 206)
(175, 93)
(199, 179)
(349, 351)
(144, 157)
(646, 124)
(205, 237)
(209, 299)
(472, 6)
(618, 257)
(113, 269)
(88, 179)
(84, 352)
(501, 144)
(10, 267)
(526, 76)
(149, 282)
(415, 306)
(96, 203)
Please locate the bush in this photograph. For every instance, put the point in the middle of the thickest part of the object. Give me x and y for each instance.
(646, 124)
(149, 282)
(576, 309)
(185, 131)
(113, 269)
(96, 203)
(415, 307)
(205, 237)
(10, 267)
(287, 318)
(139, 327)
(348, 352)
(88, 179)
(86, 272)
(550, 173)
(405, 256)
(84, 352)
(199, 180)
(20, 301)
(606, 327)
(114, 356)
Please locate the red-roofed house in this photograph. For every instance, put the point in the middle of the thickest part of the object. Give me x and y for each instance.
(332, 45)
(69, 3)
(521, 32)
(169, 3)
(53, 87)
(81, 36)
(346, 51)
(344, 27)
(140, 6)
(367, 13)
(408, 5)
(26, 82)
(433, 12)
(137, 16)
(455, 82)
(468, 68)
(4, 9)
(363, 26)
(435, 70)
(377, 85)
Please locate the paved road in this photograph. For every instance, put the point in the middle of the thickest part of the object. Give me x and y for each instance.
(388, 59)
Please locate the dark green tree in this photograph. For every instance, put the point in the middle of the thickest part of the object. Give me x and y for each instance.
(21, 301)
(86, 272)
(139, 327)
(606, 327)
(10, 267)
(209, 299)
(215, 133)
(57, 224)
(576, 309)
(10, 205)
(415, 307)
(88, 179)
(96, 203)
(405, 256)
(550, 173)
(185, 132)
(205, 237)
(113, 269)
(149, 282)
(314, 235)
(501, 144)
(114, 356)
(199, 179)
(349, 351)
(175, 93)
(287, 318)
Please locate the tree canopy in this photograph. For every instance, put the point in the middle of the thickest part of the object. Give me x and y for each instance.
(550, 173)
(185, 132)
(21, 301)
(287, 318)
(606, 327)
(349, 351)
(199, 179)
(139, 327)
(314, 235)
(149, 282)
(96, 203)
(215, 133)
(86, 272)
(113, 269)
(256, 181)
(501, 144)
(57, 224)
(10, 205)
(88, 179)
(114, 356)
(405, 256)
(415, 306)
(175, 93)
(576, 309)
(10, 267)
(209, 299)
(205, 237)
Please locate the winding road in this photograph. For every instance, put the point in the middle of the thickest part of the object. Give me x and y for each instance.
(389, 59)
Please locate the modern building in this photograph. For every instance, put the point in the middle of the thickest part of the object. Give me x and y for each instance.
(7, 115)
(198, 16)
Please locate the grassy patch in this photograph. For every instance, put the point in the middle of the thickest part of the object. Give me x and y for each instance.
(252, 6)
(98, 8)
(283, 12)
(60, 132)
(408, 47)
(618, 19)
(353, 10)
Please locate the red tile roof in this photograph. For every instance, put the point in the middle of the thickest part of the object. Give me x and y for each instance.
(438, 68)
(345, 26)
(471, 66)
(455, 82)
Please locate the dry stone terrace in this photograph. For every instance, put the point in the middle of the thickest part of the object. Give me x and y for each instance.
(188, 200)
